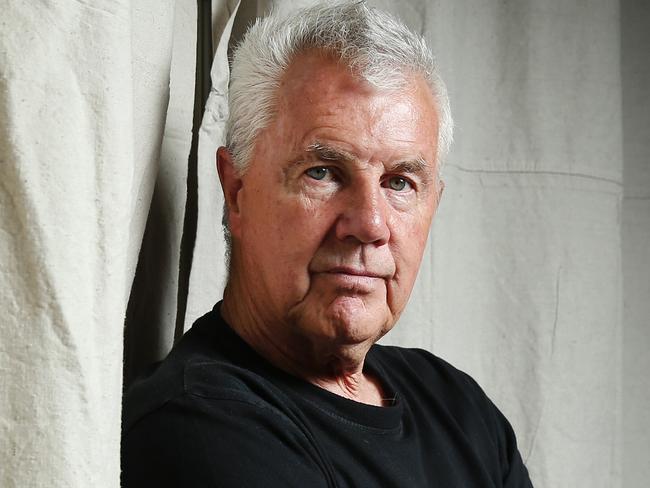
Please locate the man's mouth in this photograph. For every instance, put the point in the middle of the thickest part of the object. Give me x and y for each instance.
(352, 280)
(352, 271)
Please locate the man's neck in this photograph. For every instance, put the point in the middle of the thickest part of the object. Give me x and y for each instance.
(337, 369)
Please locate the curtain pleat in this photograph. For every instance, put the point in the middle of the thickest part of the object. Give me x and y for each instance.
(83, 97)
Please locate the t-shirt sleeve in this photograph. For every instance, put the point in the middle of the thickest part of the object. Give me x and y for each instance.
(515, 474)
(478, 417)
(198, 442)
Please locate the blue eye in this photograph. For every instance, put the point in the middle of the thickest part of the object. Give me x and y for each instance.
(317, 173)
(398, 183)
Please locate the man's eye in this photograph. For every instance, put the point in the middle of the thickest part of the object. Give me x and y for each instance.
(398, 183)
(317, 173)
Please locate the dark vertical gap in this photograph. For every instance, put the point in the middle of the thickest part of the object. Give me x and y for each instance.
(202, 84)
(144, 341)
(246, 15)
(635, 337)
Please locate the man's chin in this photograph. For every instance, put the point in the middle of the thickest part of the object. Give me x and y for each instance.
(347, 320)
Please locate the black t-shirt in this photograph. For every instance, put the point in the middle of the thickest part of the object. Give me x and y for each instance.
(216, 414)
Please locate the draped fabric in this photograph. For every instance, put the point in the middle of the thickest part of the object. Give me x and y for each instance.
(83, 97)
(536, 278)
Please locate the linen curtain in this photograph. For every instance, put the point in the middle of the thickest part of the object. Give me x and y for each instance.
(536, 279)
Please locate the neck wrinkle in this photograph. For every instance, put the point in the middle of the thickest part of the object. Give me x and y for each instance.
(328, 368)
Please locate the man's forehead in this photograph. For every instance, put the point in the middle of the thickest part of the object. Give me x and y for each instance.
(340, 117)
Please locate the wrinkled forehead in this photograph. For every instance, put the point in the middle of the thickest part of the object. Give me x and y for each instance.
(321, 98)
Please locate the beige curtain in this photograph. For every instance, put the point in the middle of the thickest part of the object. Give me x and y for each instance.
(537, 275)
(83, 95)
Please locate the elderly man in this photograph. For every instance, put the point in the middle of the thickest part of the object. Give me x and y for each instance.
(338, 125)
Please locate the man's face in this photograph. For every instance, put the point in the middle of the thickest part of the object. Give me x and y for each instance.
(333, 214)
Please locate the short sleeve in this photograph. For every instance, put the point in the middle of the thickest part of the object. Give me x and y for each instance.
(515, 474)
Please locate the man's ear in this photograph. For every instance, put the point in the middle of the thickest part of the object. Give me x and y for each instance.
(231, 184)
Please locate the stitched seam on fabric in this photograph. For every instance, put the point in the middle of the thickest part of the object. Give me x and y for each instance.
(534, 172)
(248, 401)
(356, 425)
(159, 407)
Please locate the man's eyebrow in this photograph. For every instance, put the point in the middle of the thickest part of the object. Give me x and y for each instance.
(417, 166)
(325, 152)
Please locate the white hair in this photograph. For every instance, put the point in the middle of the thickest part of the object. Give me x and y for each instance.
(375, 46)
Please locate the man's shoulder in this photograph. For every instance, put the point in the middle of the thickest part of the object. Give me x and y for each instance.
(430, 381)
(420, 365)
(209, 401)
(200, 366)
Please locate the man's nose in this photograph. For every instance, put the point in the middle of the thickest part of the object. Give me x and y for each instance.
(364, 216)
